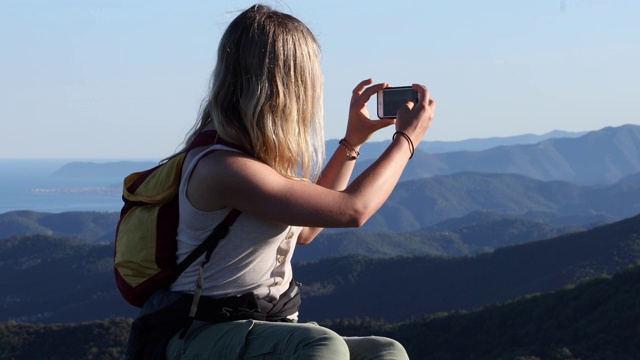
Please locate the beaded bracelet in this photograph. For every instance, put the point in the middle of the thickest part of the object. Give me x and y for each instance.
(404, 135)
(352, 153)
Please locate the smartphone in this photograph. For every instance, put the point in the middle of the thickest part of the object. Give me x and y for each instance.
(391, 98)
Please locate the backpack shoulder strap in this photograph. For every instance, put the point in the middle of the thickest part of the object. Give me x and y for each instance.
(210, 243)
(210, 137)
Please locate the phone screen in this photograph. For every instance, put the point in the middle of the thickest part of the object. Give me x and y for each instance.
(390, 100)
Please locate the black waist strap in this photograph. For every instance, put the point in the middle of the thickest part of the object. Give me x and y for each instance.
(154, 331)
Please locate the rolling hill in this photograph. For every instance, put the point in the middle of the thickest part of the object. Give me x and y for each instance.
(482, 203)
(88, 225)
(413, 206)
(596, 158)
(421, 203)
(594, 320)
(476, 232)
(395, 289)
(47, 279)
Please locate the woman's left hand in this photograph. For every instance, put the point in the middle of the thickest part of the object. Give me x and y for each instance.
(360, 127)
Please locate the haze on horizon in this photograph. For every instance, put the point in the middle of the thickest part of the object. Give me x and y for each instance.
(118, 79)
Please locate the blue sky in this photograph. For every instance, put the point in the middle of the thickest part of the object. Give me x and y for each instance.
(124, 79)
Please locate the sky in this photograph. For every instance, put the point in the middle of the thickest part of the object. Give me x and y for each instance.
(93, 79)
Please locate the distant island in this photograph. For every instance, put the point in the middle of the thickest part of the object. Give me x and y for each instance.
(107, 169)
(99, 190)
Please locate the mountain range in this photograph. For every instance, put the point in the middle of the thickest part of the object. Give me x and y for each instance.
(49, 279)
(595, 158)
(594, 320)
(474, 233)
(459, 214)
(510, 237)
(420, 203)
(370, 150)
(396, 289)
(373, 149)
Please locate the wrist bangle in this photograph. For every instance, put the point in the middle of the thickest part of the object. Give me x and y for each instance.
(352, 153)
(404, 135)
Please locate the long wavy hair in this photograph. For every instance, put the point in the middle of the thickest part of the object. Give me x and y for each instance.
(266, 92)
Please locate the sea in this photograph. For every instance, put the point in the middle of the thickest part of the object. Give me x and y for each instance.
(30, 184)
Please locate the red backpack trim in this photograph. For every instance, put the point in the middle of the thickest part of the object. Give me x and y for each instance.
(145, 246)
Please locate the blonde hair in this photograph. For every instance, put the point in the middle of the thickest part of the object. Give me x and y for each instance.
(266, 92)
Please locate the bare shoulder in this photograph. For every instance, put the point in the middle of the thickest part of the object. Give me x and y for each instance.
(222, 174)
(224, 164)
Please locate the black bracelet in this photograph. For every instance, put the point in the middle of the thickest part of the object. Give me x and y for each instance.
(404, 135)
(352, 153)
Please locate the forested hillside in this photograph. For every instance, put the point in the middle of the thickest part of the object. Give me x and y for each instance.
(48, 279)
(96, 340)
(396, 289)
(471, 234)
(438, 267)
(595, 320)
(88, 225)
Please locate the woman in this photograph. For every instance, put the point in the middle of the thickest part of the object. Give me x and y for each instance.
(265, 103)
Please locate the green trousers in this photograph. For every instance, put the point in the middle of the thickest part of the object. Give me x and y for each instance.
(250, 339)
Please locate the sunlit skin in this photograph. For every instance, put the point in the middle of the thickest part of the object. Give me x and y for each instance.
(229, 179)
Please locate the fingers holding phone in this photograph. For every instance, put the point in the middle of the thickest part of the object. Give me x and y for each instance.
(359, 126)
(414, 115)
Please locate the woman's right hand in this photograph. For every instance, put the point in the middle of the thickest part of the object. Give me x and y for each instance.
(414, 119)
(360, 126)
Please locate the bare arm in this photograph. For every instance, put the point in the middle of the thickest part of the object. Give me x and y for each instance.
(360, 127)
(234, 180)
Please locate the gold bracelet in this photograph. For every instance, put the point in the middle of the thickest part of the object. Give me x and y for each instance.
(352, 153)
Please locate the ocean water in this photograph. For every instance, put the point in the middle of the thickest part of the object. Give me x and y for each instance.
(31, 185)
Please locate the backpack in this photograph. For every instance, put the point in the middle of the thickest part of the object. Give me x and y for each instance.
(145, 259)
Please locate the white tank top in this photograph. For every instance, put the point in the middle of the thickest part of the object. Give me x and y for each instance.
(254, 256)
